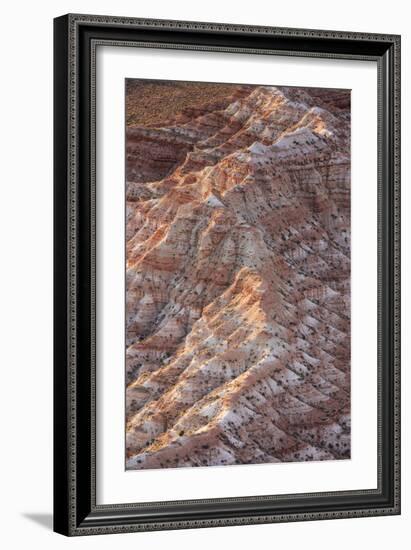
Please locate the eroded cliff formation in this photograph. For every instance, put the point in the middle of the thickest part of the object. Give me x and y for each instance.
(238, 279)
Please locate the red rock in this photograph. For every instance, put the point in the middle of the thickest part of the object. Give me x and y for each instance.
(238, 281)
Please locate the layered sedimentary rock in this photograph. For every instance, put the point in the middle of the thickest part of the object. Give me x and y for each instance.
(238, 281)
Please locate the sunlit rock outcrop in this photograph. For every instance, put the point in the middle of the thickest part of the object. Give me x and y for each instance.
(238, 281)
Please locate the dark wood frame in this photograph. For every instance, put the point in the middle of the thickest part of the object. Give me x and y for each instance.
(76, 38)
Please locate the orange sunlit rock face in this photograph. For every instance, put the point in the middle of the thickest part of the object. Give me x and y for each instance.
(238, 274)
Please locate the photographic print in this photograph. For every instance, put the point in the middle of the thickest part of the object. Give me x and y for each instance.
(237, 274)
(226, 274)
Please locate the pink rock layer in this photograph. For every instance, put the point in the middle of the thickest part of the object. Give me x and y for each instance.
(238, 282)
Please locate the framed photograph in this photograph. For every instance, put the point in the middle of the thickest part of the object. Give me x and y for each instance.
(227, 278)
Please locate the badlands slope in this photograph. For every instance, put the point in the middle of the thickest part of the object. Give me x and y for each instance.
(238, 280)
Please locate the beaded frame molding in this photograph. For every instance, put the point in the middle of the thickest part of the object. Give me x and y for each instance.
(76, 38)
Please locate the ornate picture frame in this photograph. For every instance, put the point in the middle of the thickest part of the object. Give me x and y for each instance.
(76, 39)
